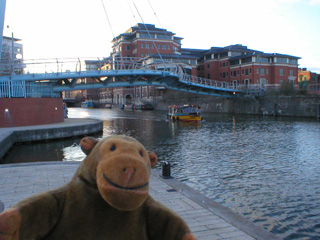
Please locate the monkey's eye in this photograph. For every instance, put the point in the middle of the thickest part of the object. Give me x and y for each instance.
(112, 148)
(141, 154)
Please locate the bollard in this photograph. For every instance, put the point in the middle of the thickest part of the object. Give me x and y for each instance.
(166, 170)
(1, 207)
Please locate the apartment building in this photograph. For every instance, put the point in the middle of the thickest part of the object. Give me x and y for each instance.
(237, 64)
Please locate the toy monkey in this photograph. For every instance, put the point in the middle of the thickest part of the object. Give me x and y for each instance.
(107, 198)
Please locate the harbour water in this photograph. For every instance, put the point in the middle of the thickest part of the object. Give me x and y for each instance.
(265, 168)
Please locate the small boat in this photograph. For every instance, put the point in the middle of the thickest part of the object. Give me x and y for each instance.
(185, 113)
(87, 104)
(146, 106)
(108, 105)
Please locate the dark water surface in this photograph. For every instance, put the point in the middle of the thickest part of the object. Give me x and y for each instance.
(265, 168)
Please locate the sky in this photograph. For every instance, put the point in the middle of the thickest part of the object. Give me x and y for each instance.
(82, 28)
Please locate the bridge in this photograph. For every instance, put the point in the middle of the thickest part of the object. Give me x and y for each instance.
(49, 77)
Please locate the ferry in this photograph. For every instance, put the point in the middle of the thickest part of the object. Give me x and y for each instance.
(185, 113)
(87, 104)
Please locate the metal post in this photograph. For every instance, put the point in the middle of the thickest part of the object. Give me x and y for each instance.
(2, 14)
(166, 170)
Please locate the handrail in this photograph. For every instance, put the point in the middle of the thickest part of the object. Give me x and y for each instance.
(66, 65)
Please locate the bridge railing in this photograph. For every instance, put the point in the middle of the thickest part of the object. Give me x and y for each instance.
(77, 65)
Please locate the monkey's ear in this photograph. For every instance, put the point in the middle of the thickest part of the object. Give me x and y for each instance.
(153, 158)
(87, 144)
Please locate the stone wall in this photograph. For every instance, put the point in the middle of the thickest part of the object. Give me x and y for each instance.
(297, 106)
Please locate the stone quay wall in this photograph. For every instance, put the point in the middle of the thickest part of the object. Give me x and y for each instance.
(274, 105)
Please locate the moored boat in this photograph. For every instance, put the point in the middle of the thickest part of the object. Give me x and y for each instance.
(185, 113)
(87, 104)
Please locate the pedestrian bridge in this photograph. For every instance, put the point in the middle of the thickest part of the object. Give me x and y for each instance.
(49, 77)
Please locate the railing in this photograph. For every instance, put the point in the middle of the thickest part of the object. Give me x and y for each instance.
(75, 65)
(78, 66)
(24, 89)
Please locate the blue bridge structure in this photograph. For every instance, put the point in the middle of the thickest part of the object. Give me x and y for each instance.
(49, 77)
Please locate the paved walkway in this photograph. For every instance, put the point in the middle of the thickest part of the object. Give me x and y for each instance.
(207, 219)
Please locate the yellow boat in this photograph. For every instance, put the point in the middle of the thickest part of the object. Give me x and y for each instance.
(185, 113)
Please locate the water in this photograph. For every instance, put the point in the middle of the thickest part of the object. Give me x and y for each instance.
(265, 168)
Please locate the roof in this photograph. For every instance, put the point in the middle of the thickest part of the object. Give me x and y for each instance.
(262, 54)
(177, 56)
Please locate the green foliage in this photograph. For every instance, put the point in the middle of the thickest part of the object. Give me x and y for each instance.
(287, 89)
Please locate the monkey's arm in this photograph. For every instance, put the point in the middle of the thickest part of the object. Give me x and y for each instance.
(165, 224)
(31, 218)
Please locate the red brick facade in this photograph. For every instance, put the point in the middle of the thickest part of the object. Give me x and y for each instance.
(15, 112)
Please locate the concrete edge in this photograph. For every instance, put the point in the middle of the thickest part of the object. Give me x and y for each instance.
(39, 164)
(6, 142)
(223, 212)
(48, 132)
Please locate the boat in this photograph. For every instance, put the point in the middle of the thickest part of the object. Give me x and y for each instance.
(108, 105)
(185, 113)
(146, 106)
(87, 104)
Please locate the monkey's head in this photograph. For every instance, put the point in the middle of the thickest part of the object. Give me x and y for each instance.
(120, 166)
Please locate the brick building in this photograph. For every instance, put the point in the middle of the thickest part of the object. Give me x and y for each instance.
(239, 65)
(235, 64)
(147, 42)
(309, 81)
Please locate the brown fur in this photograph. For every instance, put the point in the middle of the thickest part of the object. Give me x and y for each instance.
(106, 199)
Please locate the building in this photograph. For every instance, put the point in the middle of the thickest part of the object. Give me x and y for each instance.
(239, 65)
(145, 41)
(235, 64)
(11, 56)
(309, 81)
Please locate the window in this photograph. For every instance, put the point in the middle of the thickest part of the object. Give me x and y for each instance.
(224, 64)
(281, 71)
(267, 71)
(250, 70)
(290, 72)
(235, 73)
(208, 66)
(142, 46)
(258, 71)
(293, 61)
(164, 46)
(147, 46)
(127, 48)
(142, 55)
(262, 71)
(281, 60)
(247, 71)
(224, 75)
(209, 76)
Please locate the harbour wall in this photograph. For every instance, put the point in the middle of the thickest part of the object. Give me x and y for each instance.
(15, 112)
(293, 106)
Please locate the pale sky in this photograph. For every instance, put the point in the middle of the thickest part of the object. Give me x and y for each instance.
(79, 28)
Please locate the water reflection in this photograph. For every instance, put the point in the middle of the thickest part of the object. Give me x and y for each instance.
(264, 168)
